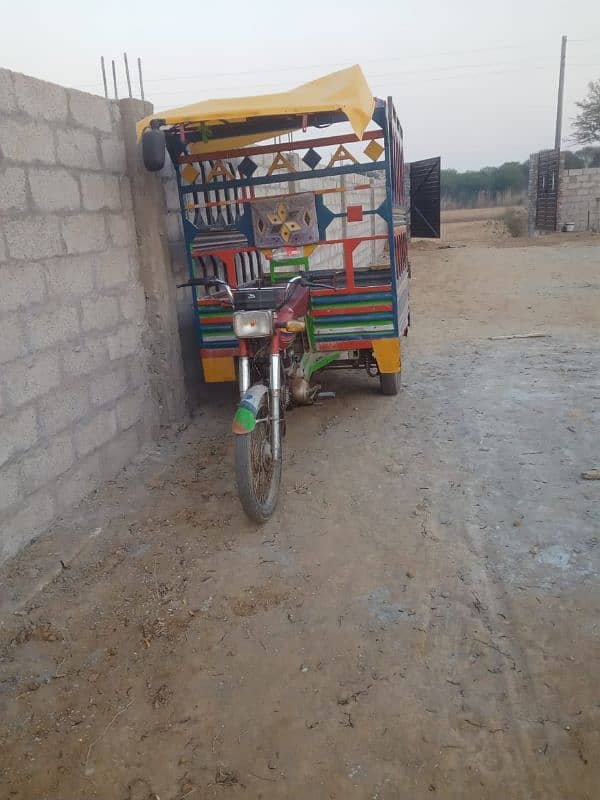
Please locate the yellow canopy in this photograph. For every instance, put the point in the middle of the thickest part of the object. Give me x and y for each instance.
(346, 91)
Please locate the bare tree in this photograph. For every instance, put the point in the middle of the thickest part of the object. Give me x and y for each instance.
(587, 123)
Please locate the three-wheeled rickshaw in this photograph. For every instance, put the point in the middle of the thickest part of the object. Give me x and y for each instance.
(297, 248)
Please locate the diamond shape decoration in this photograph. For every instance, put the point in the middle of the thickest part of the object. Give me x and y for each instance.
(373, 150)
(189, 174)
(311, 158)
(307, 218)
(247, 167)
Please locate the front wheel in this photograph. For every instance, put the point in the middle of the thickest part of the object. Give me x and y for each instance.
(258, 475)
(389, 382)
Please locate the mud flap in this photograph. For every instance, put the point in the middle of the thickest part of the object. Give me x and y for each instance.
(244, 420)
(387, 355)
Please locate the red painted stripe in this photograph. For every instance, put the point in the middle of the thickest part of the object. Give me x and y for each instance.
(344, 292)
(336, 312)
(213, 353)
(358, 344)
(215, 320)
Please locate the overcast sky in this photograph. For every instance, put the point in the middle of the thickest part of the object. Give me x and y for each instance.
(473, 81)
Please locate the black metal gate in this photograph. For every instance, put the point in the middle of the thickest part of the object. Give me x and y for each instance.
(425, 198)
(547, 190)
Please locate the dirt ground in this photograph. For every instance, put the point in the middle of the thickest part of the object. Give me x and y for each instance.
(420, 617)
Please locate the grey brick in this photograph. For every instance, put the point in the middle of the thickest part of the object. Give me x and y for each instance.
(27, 141)
(12, 338)
(7, 91)
(113, 268)
(174, 227)
(63, 408)
(77, 148)
(122, 230)
(13, 189)
(54, 190)
(125, 342)
(33, 238)
(37, 512)
(79, 482)
(100, 191)
(28, 379)
(40, 99)
(18, 432)
(53, 326)
(133, 303)
(121, 451)
(113, 155)
(2, 248)
(48, 462)
(93, 434)
(126, 197)
(131, 409)
(100, 313)
(84, 233)
(70, 276)
(92, 357)
(90, 110)
(108, 387)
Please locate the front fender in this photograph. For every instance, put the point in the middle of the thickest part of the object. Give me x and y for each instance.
(244, 420)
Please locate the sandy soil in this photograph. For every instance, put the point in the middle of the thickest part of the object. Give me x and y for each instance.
(420, 617)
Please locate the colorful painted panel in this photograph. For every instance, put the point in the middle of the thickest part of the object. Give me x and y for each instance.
(283, 221)
(350, 316)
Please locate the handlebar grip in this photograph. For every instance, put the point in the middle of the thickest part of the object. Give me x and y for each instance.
(201, 282)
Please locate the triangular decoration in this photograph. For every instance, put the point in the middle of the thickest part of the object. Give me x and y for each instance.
(342, 154)
(219, 169)
(281, 162)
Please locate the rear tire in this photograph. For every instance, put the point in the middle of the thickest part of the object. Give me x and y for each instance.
(153, 149)
(389, 382)
(258, 476)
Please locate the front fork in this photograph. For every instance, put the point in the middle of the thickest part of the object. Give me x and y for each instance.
(275, 390)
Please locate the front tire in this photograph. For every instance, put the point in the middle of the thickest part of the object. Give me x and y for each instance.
(389, 382)
(258, 475)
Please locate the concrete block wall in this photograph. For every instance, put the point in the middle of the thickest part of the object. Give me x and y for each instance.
(532, 186)
(74, 400)
(579, 198)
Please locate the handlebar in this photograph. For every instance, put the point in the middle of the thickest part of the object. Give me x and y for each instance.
(297, 279)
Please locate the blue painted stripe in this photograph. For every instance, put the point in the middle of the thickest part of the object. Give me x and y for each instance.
(221, 345)
(283, 177)
(363, 297)
(386, 316)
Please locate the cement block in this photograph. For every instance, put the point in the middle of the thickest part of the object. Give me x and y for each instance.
(113, 155)
(84, 233)
(125, 342)
(45, 463)
(90, 111)
(83, 360)
(100, 313)
(126, 198)
(108, 387)
(131, 409)
(174, 227)
(77, 483)
(31, 378)
(54, 190)
(40, 99)
(2, 248)
(122, 230)
(77, 148)
(62, 409)
(18, 432)
(27, 141)
(113, 268)
(33, 238)
(13, 189)
(120, 452)
(93, 434)
(69, 277)
(100, 191)
(36, 514)
(133, 303)
(8, 101)
(56, 325)
(12, 338)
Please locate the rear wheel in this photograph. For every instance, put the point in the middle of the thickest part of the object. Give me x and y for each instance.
(389, 382)
(258, 474)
